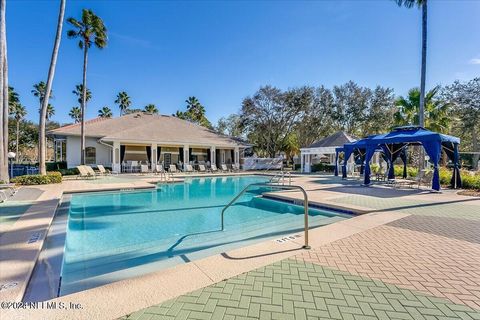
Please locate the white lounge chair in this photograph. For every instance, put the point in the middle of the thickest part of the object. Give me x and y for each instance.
(82, 172)
(224, 168)
(172, 168)
(201, 168)
(144, 169)
(102, 170)
(214, 168)
(90, 171)
(235, 167)
(189, 168)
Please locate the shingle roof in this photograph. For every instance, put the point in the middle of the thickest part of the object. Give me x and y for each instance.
(145, 127)
(337, 139)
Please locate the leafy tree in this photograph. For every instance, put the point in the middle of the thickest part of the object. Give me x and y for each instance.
(465, 98)
(437, 110)
(18, 112)
(89, 30)
(105, 112)
(230, 125)
(269, 117)
(76, 114)
(379, 115)
(151, 108)
(78, 91)
(123, 101)
(195, 113)
(42, 148)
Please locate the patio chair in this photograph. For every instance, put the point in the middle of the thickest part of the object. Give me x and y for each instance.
(9, 186)
(102, 170)
(214, 168)
(224, 168)
(201, 168)
(82, 172)
(235, 167)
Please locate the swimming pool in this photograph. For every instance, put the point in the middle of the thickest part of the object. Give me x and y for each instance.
(112, 236)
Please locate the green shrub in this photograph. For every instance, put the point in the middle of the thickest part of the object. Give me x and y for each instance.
(56, 166)
(323, 167)
(69, 172)
(374, 168)
(50, 177)
(411, 171)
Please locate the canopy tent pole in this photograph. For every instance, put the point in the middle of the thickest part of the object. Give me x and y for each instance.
(368, 156)
(433, 149)
(336, 164)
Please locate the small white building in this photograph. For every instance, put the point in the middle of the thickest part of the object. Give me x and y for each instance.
(144, 138)
(323, 150)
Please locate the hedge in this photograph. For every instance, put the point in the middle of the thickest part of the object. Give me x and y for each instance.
(323, 167)
(33, 179)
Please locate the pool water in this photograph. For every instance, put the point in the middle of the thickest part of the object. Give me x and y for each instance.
(117, 235)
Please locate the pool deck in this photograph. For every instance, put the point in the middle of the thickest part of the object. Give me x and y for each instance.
(411, 254)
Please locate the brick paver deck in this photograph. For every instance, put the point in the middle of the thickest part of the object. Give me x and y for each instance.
(295, 289)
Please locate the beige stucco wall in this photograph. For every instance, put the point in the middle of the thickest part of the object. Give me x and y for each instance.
(103, 153)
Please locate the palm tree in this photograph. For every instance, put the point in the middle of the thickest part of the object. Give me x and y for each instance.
(151, 108)
(42, 145)
(78, 91)
(423, 5)
(50, 112)
(123, 101)
(18, 112)
(90, 29)
(437, 111)
(76, 114)
(105, 112)
(3, 95)
(39, 91)
(13, 98)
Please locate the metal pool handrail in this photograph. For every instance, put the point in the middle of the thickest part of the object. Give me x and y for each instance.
(289, 187)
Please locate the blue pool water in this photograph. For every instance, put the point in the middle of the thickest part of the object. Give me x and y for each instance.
(117, 235)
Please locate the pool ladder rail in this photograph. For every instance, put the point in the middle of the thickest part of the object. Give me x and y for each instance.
(278, 186)
(279, 178)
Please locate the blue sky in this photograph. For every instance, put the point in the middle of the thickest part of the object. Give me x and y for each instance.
(162, 52)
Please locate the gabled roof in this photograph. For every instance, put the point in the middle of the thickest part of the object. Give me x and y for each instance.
(335, 140)
(148, 128)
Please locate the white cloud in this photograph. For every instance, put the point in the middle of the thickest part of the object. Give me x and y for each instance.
(475, 61)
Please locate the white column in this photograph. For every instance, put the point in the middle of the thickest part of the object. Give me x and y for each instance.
(307, 165)
(236, 157)
(116, 165)
(302, 156)
(186, 156)
(154, 156)
(213, 159)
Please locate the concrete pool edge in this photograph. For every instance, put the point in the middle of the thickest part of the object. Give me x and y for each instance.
(126, 296)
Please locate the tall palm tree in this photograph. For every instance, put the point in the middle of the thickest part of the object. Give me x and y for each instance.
(151, 108)
(89, 30)
(76, 114)
(105, 112)
(3, 95)
(42, 145)
(423, 5)
(123, 101)
(78, 91)
(437, 111)
(18, 112)
(13, 98)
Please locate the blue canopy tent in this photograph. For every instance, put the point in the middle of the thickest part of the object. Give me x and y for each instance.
(432, 142)
(358, 149)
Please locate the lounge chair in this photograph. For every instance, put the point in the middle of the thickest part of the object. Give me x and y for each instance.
(224, 168)
(172, 168)
(144, 169)
(90, 171)
(189, 168)
(235, 167)
(201, 168)
(82, 172)
(102, 170)
(214, 168)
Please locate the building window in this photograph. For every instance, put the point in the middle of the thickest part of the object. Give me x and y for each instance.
(90, 155)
